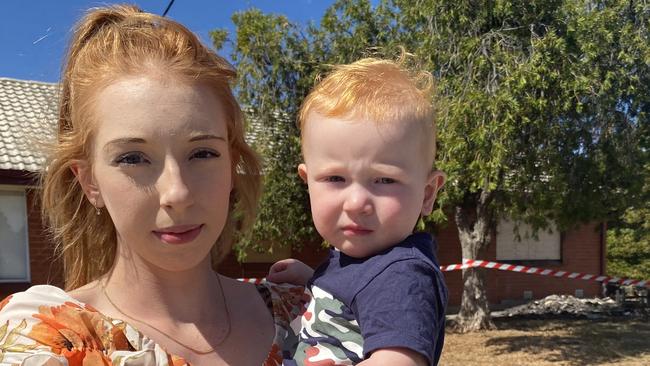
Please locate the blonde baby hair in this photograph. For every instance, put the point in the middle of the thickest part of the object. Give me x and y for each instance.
(380, 90)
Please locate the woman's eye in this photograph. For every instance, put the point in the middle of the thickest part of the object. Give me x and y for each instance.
(385, 180)
(132, 158)
(334, 179)
(204, 154)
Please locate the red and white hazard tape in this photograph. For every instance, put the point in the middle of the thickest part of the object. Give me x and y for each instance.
(469, 263)
(255, 281)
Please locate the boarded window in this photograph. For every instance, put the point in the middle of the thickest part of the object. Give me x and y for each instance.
(545, 247)
(14, 246)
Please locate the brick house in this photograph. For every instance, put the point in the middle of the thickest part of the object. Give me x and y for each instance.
(578, 250)
(28, 110)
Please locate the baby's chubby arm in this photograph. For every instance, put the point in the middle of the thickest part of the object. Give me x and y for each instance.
(395, 357)
(290, 271)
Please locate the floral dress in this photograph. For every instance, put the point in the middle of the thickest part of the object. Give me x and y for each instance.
(44, 326)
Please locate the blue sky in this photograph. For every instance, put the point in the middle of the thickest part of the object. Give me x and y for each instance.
(34, 33)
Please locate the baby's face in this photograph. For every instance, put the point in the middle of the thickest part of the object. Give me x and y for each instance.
(368, 183)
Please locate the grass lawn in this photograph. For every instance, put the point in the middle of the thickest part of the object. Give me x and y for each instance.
(614, 341)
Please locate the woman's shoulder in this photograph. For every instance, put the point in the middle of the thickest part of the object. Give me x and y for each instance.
(46, 325)
(34, 325)
(33, 298)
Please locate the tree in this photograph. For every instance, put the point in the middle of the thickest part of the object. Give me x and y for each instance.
(628, 242)
(271, 59)
(539, 102)
(628, 237)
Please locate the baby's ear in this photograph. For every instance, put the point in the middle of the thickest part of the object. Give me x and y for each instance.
(435, 181)
(302, 172)
(83, 172)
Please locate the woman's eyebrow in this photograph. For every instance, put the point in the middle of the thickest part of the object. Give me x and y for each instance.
(138, 140)
(206, 137)
(124, 141)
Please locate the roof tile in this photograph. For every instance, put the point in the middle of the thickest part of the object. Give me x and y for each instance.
(28, 114)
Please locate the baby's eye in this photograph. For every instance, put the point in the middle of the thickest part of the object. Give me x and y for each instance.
(204, 154)
(131, 158)
(334, 179)
(385, 180)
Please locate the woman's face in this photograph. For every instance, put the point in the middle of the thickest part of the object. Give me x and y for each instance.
(161, 167)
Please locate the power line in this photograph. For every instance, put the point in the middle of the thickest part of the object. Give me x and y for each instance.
(171, 2)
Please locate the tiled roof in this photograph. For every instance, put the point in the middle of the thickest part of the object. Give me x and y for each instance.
(28, 114)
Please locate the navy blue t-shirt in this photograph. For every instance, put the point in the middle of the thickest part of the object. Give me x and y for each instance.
(398, 296)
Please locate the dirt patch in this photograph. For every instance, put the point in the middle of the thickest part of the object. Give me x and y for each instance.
(548, 339)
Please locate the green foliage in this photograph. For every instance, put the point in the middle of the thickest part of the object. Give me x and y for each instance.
(628, 243)
(539, 103)
(543, 105)
(628, 249)
(269, 53)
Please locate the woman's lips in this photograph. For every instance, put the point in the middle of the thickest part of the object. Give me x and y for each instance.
(179, 234)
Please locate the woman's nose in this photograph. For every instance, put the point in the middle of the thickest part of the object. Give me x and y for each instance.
(173, 188)
(358, 200)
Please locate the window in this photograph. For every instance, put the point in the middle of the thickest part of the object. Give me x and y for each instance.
(545, 247)
(14, 246)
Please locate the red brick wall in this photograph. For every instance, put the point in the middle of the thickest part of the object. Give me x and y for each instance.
(581, 252)
(311, 254)
(44, 268)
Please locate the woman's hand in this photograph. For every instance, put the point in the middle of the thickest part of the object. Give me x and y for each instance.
(290, 271)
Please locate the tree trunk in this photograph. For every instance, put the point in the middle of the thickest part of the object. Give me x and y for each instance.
(474, 311)
(474, 231)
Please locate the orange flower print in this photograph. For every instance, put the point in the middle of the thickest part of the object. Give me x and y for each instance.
(119, 340)
(291, 303)
(274, 358)
(74, 332)
(5, 302)
(176, 361)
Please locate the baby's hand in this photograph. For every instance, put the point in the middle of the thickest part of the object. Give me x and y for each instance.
(290, 271)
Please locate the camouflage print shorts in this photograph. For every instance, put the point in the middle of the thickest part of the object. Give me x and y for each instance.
(328, 332)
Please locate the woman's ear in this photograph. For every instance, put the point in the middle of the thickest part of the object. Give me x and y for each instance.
(84, 174)
(302, 172)
(435, 181)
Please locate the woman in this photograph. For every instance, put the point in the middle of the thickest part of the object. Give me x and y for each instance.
(148, 180)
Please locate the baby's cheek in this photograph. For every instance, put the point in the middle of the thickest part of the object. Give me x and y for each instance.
(394, 207)
(325, 216)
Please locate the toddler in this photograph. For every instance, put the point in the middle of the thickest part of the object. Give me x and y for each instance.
(368, 143)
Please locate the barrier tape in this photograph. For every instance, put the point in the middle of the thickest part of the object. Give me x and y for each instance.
(254, 281)
(471, 263)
